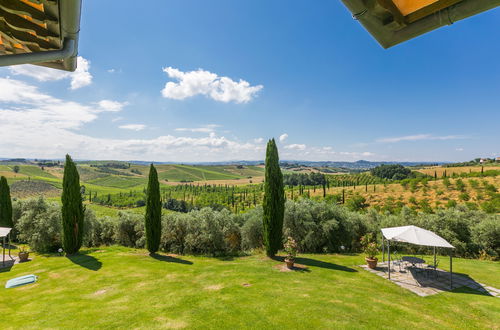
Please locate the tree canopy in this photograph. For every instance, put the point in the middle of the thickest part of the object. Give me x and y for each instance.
(393, 172)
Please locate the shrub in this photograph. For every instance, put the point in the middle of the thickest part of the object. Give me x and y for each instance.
(39, 224)
(130, 230)
(356, 203)
(486, 235)
(394, 172)
(251, 231)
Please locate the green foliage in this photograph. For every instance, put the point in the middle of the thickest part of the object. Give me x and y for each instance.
(274, 201)
(393, 172)
(251, 230)
(487, 232)
(356, 203)
(493, 205)
(202, 231)
(38, 224)
(16, 169)
(460, 185)
(72, 208)
(153, 212)
(464, 196)
(5, 204)
(290, 248)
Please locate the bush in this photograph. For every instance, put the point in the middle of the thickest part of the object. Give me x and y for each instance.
(251, 231)
(39, 224)
(130, 230)
(202, 232)
(356, 203)
(486, 235)
(394, 172)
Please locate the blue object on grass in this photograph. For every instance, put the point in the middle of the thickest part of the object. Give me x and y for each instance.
(18, 281)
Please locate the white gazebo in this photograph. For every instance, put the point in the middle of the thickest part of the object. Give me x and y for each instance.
(417, 236)
(4, 233)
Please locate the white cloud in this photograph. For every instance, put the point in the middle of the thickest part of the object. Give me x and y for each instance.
(459, 149)
(117, 119)
(133, 127)
(202, 129)
(111, 70)
(80, 78)
(283, 137)
(38, 125)
(201, 82)
(296, 146)
(258, 140)
(419, 137)
(113, 106)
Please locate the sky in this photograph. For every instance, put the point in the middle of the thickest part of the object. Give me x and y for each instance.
(188, 81)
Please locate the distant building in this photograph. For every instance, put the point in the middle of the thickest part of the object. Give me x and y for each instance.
(497, 159)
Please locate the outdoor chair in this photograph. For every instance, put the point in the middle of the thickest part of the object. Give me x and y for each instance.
(398, 261)
(432, 269)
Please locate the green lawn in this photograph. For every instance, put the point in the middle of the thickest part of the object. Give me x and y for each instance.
(118, 287)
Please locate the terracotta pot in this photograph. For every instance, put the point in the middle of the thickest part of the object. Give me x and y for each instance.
(372, 263)
(23, 256)
(289, 263)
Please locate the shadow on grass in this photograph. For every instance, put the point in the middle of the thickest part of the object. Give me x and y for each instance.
(86, 261)
(317, 263)
(7, 266)
(462, 283)
(466, 289)
(165, 258)
(324, 264)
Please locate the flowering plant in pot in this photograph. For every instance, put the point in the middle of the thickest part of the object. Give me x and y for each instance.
(291, 251)
(24, 253)
(370, 249)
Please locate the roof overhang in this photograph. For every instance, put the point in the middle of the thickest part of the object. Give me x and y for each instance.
(392, 22)
(41, 32)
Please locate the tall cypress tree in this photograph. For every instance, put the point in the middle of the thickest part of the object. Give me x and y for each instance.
(153, 212)
(274, 201)
(5, 204)
(72, 208)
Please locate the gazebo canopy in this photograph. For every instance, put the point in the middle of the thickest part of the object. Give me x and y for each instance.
(4, 231)
(415, 235)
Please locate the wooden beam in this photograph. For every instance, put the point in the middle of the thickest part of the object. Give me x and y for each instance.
(393, 9)
(430, 9)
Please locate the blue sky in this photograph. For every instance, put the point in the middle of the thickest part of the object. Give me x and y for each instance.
(241, 72)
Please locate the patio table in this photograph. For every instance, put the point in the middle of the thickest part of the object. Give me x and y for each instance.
(413, 260)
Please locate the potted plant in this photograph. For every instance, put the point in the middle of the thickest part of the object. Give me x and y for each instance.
(371, 251)
(24, 253)
(291, 252)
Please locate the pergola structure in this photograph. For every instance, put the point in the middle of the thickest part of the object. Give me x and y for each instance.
(41, 32)
(417, 236)
(391, 22)
(4, 234)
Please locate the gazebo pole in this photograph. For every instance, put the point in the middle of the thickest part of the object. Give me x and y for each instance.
(389, 257)
(383, 248)
(451, 269)
(434, 257)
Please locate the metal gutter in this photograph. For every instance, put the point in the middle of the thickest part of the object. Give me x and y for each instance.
(64, 58)
(388, 37)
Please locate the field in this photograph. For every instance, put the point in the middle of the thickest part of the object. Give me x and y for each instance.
(434, 192)
(116, 177)
(121, 185)
(116, 287)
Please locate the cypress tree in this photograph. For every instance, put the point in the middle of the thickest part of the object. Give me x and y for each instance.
(153, 212)
(72, 208)
(5, 204)
(274, 201)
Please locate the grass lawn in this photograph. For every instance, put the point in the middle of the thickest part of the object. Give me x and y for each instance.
(116, 287)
